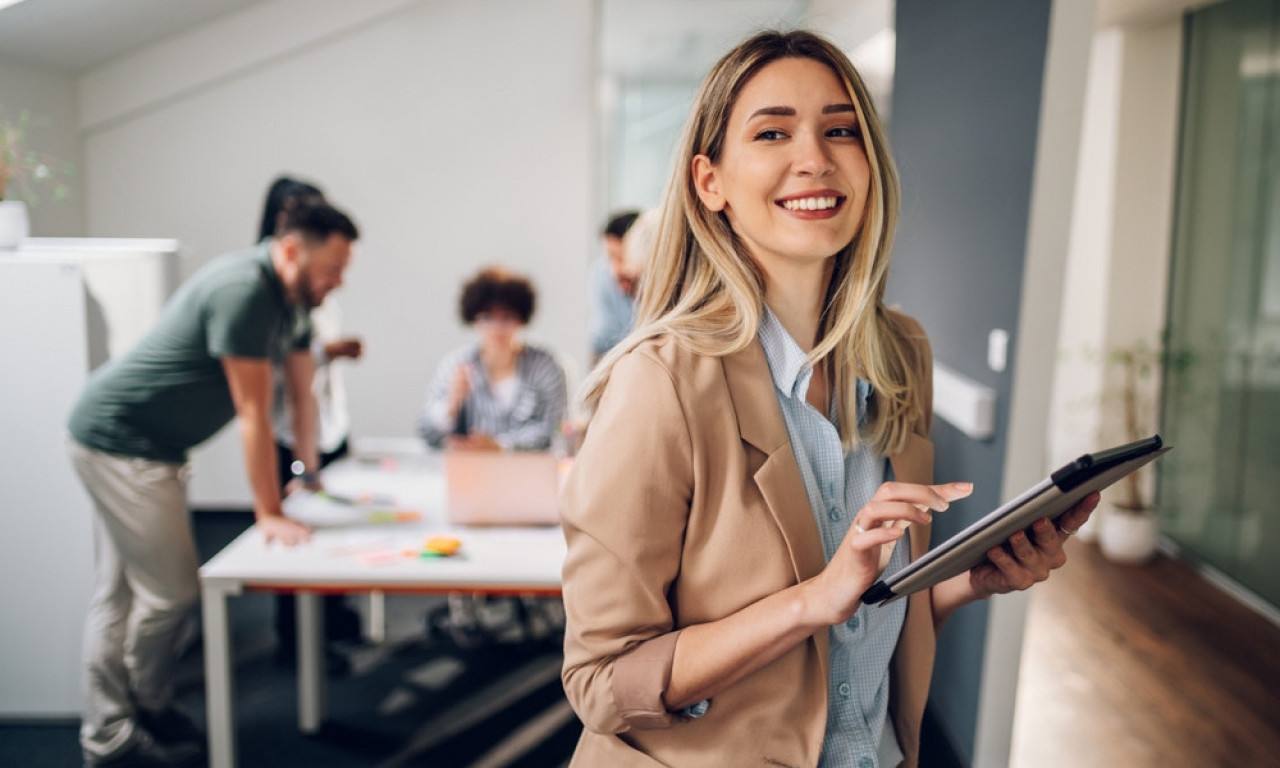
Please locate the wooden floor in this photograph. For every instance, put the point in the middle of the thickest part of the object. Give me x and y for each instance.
(1145, 666)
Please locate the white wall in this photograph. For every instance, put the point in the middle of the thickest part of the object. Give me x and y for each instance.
(1077, 385)
(51, 99)
(1116, 275)
(1142, 226)
(456, 133)
(1117, 272)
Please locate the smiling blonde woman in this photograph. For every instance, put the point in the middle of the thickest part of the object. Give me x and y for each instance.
(729, 504)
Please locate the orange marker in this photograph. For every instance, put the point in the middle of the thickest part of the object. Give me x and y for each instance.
(442, 545)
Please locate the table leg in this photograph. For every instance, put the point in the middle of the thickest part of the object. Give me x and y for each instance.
(219, 701)
(377, 625)
(311, 670)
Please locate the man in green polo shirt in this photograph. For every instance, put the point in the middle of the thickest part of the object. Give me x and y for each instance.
(207, 360)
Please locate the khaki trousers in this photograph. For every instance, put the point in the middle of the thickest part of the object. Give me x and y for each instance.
(145, 589)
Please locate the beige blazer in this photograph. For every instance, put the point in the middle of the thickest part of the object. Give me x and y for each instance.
(685, 505)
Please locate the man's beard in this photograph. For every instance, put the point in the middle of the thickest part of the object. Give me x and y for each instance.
(306, 297)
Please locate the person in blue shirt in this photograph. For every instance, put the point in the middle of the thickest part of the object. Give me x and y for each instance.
(612, 286)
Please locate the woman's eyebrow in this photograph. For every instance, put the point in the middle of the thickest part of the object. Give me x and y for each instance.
(784, 111)
(830, 109)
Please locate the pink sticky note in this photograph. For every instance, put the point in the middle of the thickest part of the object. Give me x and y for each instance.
(380, 557)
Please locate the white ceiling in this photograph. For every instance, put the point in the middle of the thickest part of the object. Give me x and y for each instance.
(658, 38)
(652, 38)
(73, 35)
(681, 39)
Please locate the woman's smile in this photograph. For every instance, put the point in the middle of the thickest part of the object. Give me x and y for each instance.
(819, 204)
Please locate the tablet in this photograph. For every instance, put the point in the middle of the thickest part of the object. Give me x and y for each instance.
(1049, 498)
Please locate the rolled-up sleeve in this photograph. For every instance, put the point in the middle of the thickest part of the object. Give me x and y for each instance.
(624, 514)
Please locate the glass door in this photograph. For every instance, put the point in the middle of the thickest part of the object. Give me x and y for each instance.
(1219, 491)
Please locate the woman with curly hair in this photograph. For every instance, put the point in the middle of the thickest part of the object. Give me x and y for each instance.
(499, 392)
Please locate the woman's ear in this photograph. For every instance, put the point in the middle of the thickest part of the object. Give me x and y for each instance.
(707, 183)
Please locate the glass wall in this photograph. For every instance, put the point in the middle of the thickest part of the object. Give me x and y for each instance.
(1219, 490)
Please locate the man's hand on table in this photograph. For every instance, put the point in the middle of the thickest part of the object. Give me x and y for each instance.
(309, 482)
(284, 530)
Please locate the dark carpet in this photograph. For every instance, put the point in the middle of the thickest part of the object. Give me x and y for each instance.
(418, 699)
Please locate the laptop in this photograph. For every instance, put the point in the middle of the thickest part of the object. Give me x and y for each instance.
(502, 487)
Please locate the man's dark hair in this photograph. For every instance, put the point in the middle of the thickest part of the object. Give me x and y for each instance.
(283, 194)
(619, 223)
(316, 220)
(495, 288)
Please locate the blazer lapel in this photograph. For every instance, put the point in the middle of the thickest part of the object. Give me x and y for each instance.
(761, 425)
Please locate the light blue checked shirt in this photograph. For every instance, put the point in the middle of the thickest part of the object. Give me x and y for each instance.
(612, 311)
(859, 734)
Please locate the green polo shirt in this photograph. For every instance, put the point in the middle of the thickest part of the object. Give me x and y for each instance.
(169, 392)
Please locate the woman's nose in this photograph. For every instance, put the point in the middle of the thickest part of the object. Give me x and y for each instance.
(812, 157)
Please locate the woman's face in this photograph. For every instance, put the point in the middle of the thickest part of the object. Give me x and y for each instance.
(498, 327)
(793, 175)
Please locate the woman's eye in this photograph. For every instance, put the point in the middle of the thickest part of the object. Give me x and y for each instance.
(770, 135)
(846, 132)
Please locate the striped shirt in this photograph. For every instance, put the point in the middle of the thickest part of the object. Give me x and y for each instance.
(524, 419)
(839, 484)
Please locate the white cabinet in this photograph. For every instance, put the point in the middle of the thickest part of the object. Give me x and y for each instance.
(66, 306)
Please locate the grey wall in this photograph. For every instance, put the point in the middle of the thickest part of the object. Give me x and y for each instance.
(967, 90)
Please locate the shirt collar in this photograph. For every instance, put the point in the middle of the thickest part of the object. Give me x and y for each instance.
(789, 365)
(787, 362)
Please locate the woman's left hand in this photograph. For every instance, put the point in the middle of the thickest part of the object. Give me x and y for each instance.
(1025, 560)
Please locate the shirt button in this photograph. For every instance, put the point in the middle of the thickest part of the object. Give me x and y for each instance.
(866, 762)
(844, 690)
(834, 514)
(853, 622)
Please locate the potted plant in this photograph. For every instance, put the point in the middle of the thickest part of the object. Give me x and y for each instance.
(1127, 529)
(26, 177)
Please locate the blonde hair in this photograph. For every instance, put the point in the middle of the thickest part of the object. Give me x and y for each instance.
(639, 241)
(702, 288)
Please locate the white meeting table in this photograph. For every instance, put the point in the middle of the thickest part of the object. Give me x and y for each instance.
(355, 550)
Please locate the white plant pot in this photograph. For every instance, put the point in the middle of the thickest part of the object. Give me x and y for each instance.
(1089, 531)
(1126, 536)
(15, 224)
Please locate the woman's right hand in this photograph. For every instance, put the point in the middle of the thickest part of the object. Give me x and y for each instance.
(834, 595)
(459, 388)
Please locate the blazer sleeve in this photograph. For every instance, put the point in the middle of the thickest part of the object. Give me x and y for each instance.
(624, 514)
